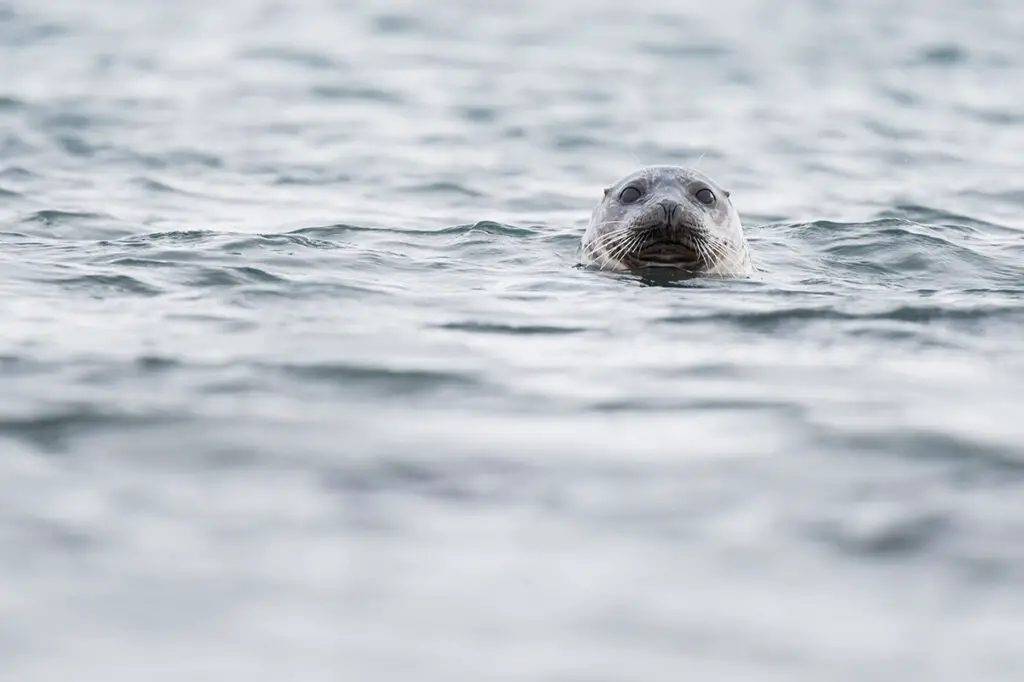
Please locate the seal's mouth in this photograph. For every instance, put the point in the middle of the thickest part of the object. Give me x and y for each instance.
(671, 253)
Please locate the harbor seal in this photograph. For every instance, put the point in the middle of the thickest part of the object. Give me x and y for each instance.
(667, 217)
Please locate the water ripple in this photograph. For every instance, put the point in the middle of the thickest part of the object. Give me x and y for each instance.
(515, 330)
(380, 380)
(77, 225)
(55, 430)
(102, 285)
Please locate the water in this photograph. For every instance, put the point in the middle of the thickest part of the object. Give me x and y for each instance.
(301, 380)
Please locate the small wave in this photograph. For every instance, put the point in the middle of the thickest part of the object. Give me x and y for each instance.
(8, 103)
(53, 429)
(309, 176)
(13, 145)
(687, 51)
(989, 115)
(292, 56)
(658, 404)
(378, 380)
(576, 141)
(131, 262)
(477, 113)
(18, 173)
(1012, 196)
(20, 30)
(327, 232)
(941, 219)
(396, 23)
(892, 252)
(55, 217)
(156, 363)
(67, 120)
(77, 146)
(980, 453)
(48, 431)
(919, 314)
(153, 185)
(357, 93)
(186, 158)
(103, 284)
(511, 329)
(892, 531)
(488, 480)
(442, 187)
(76, 225)
(266, 241)
(155, 238)
(176, 160)
(230, 276)
(493, 228)
(944, 55)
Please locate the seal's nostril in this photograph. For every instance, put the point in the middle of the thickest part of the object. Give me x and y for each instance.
(670, 207)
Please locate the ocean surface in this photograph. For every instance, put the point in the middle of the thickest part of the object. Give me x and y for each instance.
(300, 377)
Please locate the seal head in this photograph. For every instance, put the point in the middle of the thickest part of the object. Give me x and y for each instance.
(667, 217)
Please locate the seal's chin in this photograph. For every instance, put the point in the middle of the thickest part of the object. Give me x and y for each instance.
(666, 253)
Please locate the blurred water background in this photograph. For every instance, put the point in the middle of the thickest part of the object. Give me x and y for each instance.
(299, 378)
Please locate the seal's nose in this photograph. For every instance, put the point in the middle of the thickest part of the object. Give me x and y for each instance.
(670, 207)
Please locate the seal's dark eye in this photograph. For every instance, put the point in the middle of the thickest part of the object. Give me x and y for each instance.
(630, 194)
(705, 196)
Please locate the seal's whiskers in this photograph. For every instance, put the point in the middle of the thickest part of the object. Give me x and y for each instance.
(622, 248)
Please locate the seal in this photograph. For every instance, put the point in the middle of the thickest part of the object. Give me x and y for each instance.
(667, 217)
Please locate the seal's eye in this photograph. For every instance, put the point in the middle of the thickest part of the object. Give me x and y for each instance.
(630, 194)
(705, 196)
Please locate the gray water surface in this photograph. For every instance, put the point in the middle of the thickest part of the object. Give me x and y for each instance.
(301, 380)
